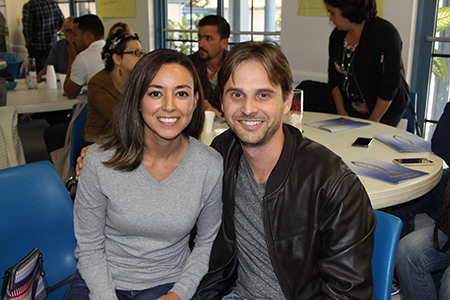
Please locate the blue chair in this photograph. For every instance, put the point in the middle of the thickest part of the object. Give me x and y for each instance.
(387, 235)
(9, 57)
(410, 115)
(75, 143)
(14, 68)
(37, 212)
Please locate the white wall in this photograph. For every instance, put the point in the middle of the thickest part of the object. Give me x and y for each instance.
(304, 39)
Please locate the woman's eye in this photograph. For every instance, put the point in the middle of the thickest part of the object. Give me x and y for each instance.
(183, 94)
(154, 94)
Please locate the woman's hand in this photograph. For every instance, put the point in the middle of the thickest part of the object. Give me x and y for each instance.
(169, 296)
(79, 165)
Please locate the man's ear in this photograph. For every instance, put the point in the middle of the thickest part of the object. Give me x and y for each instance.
(224, 43)
(288, 103)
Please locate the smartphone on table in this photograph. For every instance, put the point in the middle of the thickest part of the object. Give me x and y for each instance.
(421, 161)
(362, 142)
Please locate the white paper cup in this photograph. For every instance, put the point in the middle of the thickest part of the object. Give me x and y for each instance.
(209, 121)
(62, 78)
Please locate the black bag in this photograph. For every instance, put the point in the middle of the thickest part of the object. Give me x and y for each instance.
(443, 221)
(25, 280)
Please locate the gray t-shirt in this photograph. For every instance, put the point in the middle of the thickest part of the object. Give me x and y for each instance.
(133, 231)
(256, 277)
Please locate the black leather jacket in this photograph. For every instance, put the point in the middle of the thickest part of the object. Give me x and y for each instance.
(319, 224)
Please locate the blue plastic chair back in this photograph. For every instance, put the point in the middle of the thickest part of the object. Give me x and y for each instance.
(77, 135)
(387, 235)
(37, 212)
(14, 68)
(9, 57)
(409, 114)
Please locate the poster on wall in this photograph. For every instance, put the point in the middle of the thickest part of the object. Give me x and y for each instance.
(117, 8)
(317, 8)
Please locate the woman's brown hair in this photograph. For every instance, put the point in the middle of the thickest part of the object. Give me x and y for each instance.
(127, 133)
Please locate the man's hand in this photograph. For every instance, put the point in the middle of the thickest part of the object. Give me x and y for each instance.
(72, 51)
(209, 107)
(169, 296)
(79, 165)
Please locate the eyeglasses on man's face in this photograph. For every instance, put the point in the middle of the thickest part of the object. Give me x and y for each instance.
(137, 53)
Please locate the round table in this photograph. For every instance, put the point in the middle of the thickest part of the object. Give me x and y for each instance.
(382, 194)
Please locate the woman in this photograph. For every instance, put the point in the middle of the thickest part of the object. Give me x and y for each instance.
(145, 187)
(120, 53)
(365, 69)
(119, 25)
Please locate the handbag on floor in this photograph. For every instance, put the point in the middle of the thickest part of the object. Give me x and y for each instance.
(25, 280)
(443, 221)
(61, 157)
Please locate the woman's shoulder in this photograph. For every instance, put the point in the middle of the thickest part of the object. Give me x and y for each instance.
(383, 26)
(101, 77)
(96, 153)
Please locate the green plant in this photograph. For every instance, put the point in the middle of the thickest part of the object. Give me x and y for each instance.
(440, 68)
(184, 39)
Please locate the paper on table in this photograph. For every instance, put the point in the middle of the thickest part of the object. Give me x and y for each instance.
(339, 124)
(405, 143)
(382, 170)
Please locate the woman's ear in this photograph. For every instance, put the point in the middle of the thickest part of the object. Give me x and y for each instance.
(117, 59)
(196, 99)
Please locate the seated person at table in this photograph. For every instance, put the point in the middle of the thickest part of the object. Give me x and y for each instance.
(419, 265)
(144, 188)
(119, 25)
(85, 53)
(58, 56)
(296, 218)
(120, 53)
(430, 202)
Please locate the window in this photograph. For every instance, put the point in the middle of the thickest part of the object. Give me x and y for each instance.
(249, 20)
(77, 7)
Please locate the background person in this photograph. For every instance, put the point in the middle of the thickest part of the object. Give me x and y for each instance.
(145, 187)
(213, 34)
(365, 69)
(120, 53)
(58, 56)
(119, 25)
(41, 20)
(85, 53)
(418, 263)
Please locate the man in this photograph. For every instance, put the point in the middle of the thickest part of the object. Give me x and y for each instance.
(213, 34)
(41, 20)
(58, 56)
(3, 47)
(296, 219)
(84, 53)
(297, 222)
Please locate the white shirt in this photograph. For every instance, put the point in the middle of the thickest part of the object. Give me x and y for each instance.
(88, 63)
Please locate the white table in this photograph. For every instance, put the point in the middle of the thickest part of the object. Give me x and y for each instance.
(39, 100)
(381, 194)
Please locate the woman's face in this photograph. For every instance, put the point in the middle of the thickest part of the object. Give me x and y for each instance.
(169, 103)
(128, 60)
(336, 17)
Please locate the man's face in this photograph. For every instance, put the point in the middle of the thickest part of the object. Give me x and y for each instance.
(210, 44)
(78, 39)
(67, 29)
(252, 106)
